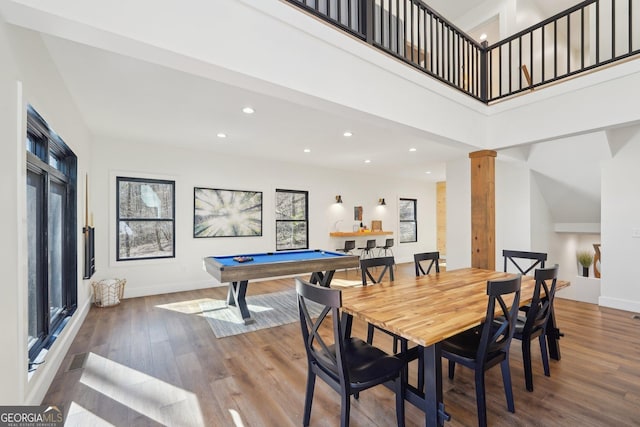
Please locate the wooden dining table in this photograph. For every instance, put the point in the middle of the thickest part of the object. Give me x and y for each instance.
(427, 310)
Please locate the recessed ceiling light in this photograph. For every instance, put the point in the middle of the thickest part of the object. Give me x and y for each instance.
(428, 172)
(307, 150)
(367, 161)
(348, 134)
(248, 110)
(412, 149)
(222, 135)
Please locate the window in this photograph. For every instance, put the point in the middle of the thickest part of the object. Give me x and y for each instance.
(51, 233)
(292, 231)
(145, 218)
(408, 221)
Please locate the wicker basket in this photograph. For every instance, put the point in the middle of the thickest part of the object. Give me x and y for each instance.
(108, 292)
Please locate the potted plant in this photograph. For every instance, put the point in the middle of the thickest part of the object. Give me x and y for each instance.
(585, 258)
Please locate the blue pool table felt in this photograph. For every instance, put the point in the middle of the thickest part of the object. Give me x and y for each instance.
(271, 257)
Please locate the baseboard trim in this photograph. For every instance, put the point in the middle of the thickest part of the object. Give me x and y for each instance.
(620, 304)
(168, 288)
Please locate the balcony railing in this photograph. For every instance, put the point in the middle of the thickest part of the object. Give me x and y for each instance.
(589, 35)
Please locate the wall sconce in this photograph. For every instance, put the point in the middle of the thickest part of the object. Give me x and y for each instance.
(381, 202)
(338, 199)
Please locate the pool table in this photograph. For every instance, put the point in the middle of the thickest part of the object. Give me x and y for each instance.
(321, 264)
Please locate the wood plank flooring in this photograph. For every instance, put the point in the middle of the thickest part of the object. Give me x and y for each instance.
(154, 361)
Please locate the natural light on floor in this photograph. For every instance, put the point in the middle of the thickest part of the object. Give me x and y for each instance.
(149, 396)
(208, 307)
(187, 307)
(237, 419)
(80, 416)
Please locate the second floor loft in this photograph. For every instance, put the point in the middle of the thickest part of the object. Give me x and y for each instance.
(589, 35)
(186, 70)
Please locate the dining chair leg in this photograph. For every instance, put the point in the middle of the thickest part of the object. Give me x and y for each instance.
(481, 398)
(526, 360)
(452, 369)
(311, 382)
(345, 409)
(545, 354)
(399, 383)
(506, 380)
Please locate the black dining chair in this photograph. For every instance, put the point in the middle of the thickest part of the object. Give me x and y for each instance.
(388, 244)
(348, 365)
(432, 257)
(366, 270)
(367, 266)
(535, 324)
(367, 250)
(420, 260)
(519, 259)
(349, 245)
(487, 345)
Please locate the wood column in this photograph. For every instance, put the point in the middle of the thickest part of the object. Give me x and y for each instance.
(483, 209)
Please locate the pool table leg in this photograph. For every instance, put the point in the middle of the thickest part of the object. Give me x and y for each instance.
(324, 278)
(236, 300)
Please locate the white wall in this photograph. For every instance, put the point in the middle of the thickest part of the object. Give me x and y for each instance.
(12, 363)
(541, 220)
(620, 287)
(192, 169)
(458, 214)
(26, 65)
(513, 208)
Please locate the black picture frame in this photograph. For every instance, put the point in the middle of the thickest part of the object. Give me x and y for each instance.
(226, 213)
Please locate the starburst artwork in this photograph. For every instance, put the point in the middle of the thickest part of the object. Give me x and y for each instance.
(227, 213)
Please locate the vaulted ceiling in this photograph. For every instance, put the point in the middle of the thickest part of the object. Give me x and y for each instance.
(133, 100)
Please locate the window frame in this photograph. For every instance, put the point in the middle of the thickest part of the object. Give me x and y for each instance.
(280, 221)
(41, 145)
(414, 221)
(172, 183)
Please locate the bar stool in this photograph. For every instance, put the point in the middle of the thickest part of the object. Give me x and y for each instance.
(349, 245)
(386, 248)
(367, 251)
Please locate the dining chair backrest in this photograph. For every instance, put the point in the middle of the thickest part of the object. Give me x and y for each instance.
(499, 326)
(366, 265)
(534, 259)
(433, 257)
(326, 355)
(541, 304)
(388, 243)
(371, 244)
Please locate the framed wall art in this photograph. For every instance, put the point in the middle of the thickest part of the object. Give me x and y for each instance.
(226, 213)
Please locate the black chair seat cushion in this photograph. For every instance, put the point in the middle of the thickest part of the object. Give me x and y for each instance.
(465, 345)
(367, 363)
(519, 330)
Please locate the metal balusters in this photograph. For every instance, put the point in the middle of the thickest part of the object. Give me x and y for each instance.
(486, 73)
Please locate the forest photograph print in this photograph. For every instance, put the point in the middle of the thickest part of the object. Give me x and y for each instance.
(227, 213)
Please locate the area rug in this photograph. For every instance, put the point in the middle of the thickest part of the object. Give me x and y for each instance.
(268, 310)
